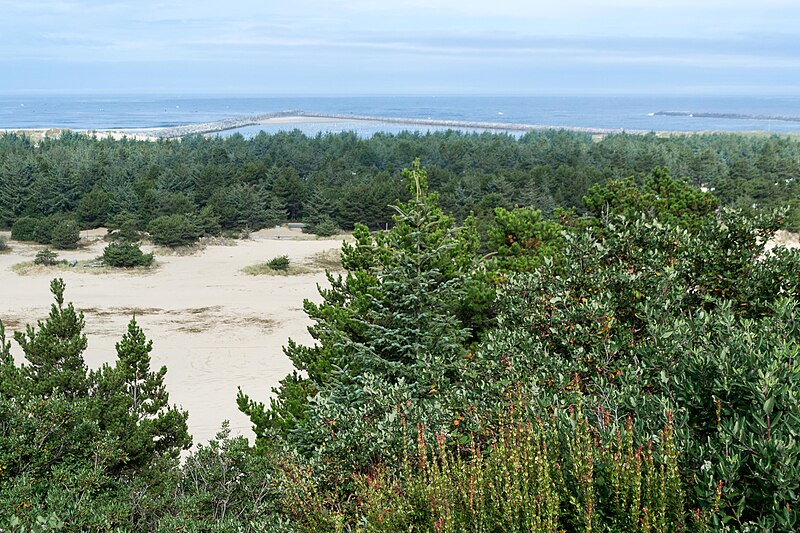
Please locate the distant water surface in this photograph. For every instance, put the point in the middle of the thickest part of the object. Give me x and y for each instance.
(619, 112)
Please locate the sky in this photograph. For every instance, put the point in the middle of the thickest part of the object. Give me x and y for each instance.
(361, 47)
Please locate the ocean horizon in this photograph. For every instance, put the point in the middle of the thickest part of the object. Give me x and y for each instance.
(131, 112)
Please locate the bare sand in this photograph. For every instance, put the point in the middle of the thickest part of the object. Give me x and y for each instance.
(214, 327)
(144, 134)
(784, 238)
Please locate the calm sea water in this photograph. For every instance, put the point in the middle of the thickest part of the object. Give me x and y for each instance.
(625, 112)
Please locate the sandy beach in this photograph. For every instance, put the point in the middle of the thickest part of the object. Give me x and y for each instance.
(146, 134)
(214, 327)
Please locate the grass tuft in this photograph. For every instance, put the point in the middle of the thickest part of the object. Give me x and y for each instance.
(319, 262)
(28, 268)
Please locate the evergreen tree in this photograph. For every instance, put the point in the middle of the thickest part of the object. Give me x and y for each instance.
(65, 234)
(275, 213)
(388, 338)
(135, 406)
(290, 188)
(16, 181)
(55, 352)
(99, 450)
(94, 208)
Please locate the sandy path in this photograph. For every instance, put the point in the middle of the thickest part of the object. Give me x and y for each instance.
(214, 327)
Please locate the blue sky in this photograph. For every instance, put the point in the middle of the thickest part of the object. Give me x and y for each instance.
(401, 47)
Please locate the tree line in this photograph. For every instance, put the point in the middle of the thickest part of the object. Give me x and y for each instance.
(209, 185)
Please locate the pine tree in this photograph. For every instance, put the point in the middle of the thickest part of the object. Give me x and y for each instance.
(133, 404)
(16, 179)
(387, 335)
(55, 352)
(9, 374)
(275, 212)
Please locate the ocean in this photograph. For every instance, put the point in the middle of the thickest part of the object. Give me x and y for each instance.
(615, 112)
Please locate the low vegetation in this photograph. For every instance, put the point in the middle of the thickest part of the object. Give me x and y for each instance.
(280, 263)
(126, 255)
(631, 366)
(278, 266)
(115, 256)
(328, 260)
(59, 231)
(47, 257)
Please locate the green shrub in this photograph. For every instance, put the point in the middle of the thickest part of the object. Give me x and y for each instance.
(65, 234)
(25, 229)
(326, 227)
(223, 485)
(279, 263)
(174, 230)
(646, 316)
(126, 255)
(3, 244)
(46, 257)
(573, 470)
(125, 227)
(45, 230)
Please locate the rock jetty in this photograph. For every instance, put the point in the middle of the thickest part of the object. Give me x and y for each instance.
(740, 116)
(232, 123)
(201, 128)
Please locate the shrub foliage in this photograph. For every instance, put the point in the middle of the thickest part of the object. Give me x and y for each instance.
(126, 255)
(631, 369)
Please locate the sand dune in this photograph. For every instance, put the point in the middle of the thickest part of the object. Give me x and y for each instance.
(214, 327)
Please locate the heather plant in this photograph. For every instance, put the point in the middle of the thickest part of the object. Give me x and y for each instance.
(736, 387)
(572, 469)
(644, 317)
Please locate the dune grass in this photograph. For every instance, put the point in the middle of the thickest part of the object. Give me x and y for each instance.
(29, 268)
(319, 262)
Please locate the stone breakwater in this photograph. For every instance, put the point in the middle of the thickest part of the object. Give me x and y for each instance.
(254, 120)
(460, 124)
(740, 116)
(232, 123)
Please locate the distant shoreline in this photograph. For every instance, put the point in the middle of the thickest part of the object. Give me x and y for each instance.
(305, 117)
(300, 117)
(733, 116)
